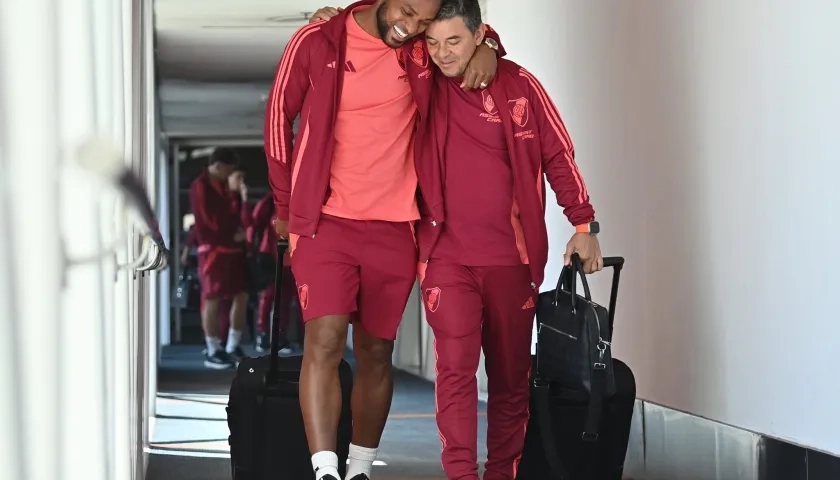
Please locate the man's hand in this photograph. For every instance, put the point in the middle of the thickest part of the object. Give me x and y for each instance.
(239, 236)
(325, 13)
(587, 246)
(281, 227)
(481, 69)
(243, 191)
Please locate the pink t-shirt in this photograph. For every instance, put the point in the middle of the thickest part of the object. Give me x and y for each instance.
(372, 175)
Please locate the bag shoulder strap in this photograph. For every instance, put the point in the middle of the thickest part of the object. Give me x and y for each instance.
(596, 404)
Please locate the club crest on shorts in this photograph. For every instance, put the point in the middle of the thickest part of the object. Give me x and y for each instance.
(488, 102)
(519, 111)
(432, 299)
(418, 54)
(303, 295)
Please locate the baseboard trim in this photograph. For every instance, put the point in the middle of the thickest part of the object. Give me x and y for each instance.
(666, 444)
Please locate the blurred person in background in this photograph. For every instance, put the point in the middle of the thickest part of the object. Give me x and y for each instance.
(191, 243)
(263, 236)
(219, 203)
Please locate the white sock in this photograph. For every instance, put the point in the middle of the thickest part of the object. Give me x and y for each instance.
(234, 337)
(214, 344)
(325, 463)
(361, 461)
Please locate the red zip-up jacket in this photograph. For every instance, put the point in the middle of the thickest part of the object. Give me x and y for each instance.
(218, 213)
(263, 213)
(309, 82)
(538, 145)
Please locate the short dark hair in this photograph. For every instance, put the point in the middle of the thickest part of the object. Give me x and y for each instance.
(225, 156)
(468, 10)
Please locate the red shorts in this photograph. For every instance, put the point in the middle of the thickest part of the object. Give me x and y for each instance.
(357, 266)
(221, 274)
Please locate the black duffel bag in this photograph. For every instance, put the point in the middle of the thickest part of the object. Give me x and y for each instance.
(573, 340)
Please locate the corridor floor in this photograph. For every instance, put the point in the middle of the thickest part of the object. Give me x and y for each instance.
(189, 438)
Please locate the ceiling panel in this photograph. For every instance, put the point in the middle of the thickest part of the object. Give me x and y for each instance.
(202, 109)
(225, 40)
(216, 58)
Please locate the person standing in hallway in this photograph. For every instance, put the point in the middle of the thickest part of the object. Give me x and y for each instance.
(347, 195)
(482, 265)
(263, 226)
(218, 197)
(224, 303)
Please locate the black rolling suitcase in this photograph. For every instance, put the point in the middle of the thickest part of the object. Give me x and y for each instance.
(581, 398)
(267, 437)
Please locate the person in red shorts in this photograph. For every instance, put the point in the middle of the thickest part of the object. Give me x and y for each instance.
(345, 196)
(483, 261)
(218, 197)
(263, 226)
(224, 303)
(266, 243)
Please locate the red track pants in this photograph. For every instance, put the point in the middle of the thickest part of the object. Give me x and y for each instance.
(470, 308)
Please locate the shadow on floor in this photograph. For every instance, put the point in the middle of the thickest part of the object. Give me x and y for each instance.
(190, 435)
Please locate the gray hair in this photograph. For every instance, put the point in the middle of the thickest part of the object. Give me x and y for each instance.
(468, 10)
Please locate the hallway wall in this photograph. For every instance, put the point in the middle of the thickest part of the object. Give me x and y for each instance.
(75, 329)
(705, 131)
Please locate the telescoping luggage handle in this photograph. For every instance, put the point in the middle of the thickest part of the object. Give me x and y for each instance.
(276, 327)
(542, 391)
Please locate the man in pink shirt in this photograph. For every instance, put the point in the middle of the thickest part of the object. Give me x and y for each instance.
(345, 197)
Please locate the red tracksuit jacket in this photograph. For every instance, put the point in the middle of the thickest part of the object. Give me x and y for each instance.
(218, 213)
(308, 83)
(538, 145)
(263, 213)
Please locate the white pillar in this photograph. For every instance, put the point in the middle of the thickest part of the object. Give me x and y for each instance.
(29, 73)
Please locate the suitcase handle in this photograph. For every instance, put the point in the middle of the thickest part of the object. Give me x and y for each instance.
(276, 330)
(614, 262)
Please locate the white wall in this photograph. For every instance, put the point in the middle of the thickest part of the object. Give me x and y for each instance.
(74, 328)
(706, 133)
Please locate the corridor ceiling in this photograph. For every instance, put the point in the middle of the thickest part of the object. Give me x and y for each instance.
(215, 60)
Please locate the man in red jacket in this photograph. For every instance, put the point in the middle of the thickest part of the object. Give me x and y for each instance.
(484, 258)
(347, 195)
(221, 216)
(262, 225)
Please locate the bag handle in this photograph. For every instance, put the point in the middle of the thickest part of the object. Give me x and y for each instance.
(567, 281)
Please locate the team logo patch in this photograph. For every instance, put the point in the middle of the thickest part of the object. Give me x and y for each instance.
(489, 103)
(433, 299)
(418, 54)
(519, 111)
(303, 295)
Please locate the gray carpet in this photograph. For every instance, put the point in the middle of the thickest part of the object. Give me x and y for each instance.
(190, 435)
